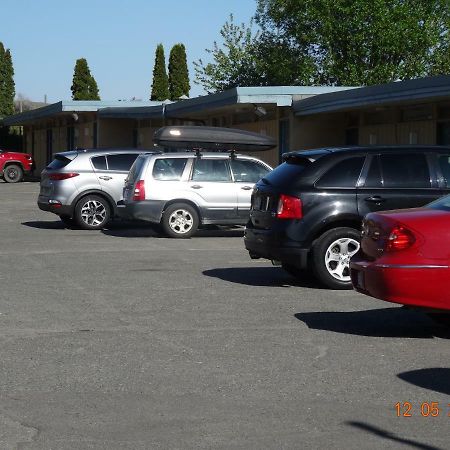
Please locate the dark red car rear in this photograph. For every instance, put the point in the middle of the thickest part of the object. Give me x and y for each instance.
(405, 256)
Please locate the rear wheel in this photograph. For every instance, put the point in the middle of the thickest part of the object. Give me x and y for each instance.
(331, 256)
(92, 212)
(180, 221)
(13, 173)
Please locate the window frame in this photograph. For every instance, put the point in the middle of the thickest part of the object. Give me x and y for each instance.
(226, 161)
(331, 167)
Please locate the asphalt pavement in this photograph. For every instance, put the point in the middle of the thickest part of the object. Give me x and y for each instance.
(122, 339)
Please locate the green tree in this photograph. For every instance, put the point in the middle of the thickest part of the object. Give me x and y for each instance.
(361, 42)
(160, 84)
(84, 86)
(233, 62)
(7, 86)
(178, 73)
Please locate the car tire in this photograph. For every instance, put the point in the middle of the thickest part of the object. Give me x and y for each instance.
(180, 221)
(92, 212)
(331, 254)
(13, 173)
(68, 221)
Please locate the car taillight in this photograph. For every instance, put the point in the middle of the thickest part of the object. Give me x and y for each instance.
(289, 207)
(62, 176)
(139, 191)
(400, 238)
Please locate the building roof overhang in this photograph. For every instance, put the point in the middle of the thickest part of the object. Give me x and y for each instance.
(400, 92)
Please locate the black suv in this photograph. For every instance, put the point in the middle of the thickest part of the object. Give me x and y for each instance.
(307, 213)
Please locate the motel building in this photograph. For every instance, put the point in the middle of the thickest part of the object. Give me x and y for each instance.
(298, 117)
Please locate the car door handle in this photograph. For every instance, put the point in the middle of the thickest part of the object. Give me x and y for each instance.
(196, 186)
(375, 199)
(106, 178)
(246, 188)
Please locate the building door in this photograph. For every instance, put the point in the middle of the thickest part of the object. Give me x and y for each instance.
(49, 145)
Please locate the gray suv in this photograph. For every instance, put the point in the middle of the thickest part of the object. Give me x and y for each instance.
(83, 187)
(182, 191)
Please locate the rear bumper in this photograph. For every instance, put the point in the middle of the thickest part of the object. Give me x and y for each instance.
(269, 245)
(148, 210)
(60, 210)
(425, 286)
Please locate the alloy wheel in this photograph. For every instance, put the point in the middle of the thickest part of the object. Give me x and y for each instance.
(337, 258)
(93, 213)
(181, 221)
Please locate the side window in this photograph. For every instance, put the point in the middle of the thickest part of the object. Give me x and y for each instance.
(444, 164)
(373, 178)
(407, 170)
(210, 170)
(169, 169)
(343, 174)
(247, 171)
(99, 162)
(121, 162)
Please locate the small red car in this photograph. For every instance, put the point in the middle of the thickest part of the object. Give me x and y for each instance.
(13, 165)
(405, 257)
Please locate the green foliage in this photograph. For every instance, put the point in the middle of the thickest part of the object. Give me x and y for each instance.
(84, 86)
(361, 42)
(178, 73)
(160, 84)
(233, 61)
(7, 86)
(331, 42)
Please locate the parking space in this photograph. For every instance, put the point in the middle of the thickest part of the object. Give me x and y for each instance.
(122, 339)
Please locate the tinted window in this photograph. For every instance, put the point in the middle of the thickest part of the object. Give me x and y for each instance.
(373, 178)
(287, 173)
(444, 164)
(247, 171)
(169, 169)
(343, 174)
(210, 170)
(121, 162)
(135, 169)
(59, 162)
(99, 162)
(405, 171)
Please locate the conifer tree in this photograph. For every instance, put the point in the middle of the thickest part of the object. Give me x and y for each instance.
(7, 86)
(160, 84)
(84, 86)
(178, 73)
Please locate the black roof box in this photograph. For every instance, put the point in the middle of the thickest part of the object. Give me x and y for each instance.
(211, 138)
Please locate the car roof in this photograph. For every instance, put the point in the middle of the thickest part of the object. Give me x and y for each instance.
(193, 154)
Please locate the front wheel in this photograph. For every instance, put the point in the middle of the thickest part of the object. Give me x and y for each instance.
(13, 173)
(92, 212)
(331, 256)
(180, 221)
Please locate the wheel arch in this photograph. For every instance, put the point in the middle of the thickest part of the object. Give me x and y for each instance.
(347, 222)
(188, 202)
(103, 194)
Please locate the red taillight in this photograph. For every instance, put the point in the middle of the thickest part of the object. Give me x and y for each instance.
(62, 176)
(400, 238)
(289, 207)
(139, 191)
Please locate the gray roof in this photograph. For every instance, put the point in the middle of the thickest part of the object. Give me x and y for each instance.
(429, 88)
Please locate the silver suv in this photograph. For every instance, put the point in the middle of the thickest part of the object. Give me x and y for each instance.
(182, 191)
(83, 187)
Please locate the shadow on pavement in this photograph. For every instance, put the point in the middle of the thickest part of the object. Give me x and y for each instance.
(261, 276)
(390, 436)
(386, 322)
(435, 379)
(45, 225)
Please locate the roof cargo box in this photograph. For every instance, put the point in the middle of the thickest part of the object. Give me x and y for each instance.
(211, 138)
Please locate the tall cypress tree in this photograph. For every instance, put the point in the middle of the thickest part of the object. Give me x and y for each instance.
(178, 72)
(7, 86)
(84, 86)
(160, 84)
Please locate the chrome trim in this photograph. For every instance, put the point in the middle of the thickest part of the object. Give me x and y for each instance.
(412, 266)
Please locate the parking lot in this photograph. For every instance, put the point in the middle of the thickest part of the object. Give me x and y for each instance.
(122, 339)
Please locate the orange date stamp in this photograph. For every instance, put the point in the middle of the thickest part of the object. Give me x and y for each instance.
(424, 409)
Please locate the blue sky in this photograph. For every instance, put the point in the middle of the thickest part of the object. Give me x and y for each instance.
(117, 37)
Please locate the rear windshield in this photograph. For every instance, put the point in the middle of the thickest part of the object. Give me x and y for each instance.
(59, 162)
(286, 173)
(135, 169)
(442, 204)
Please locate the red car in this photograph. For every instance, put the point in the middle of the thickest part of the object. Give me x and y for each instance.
(13, 165)
(405, 257)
